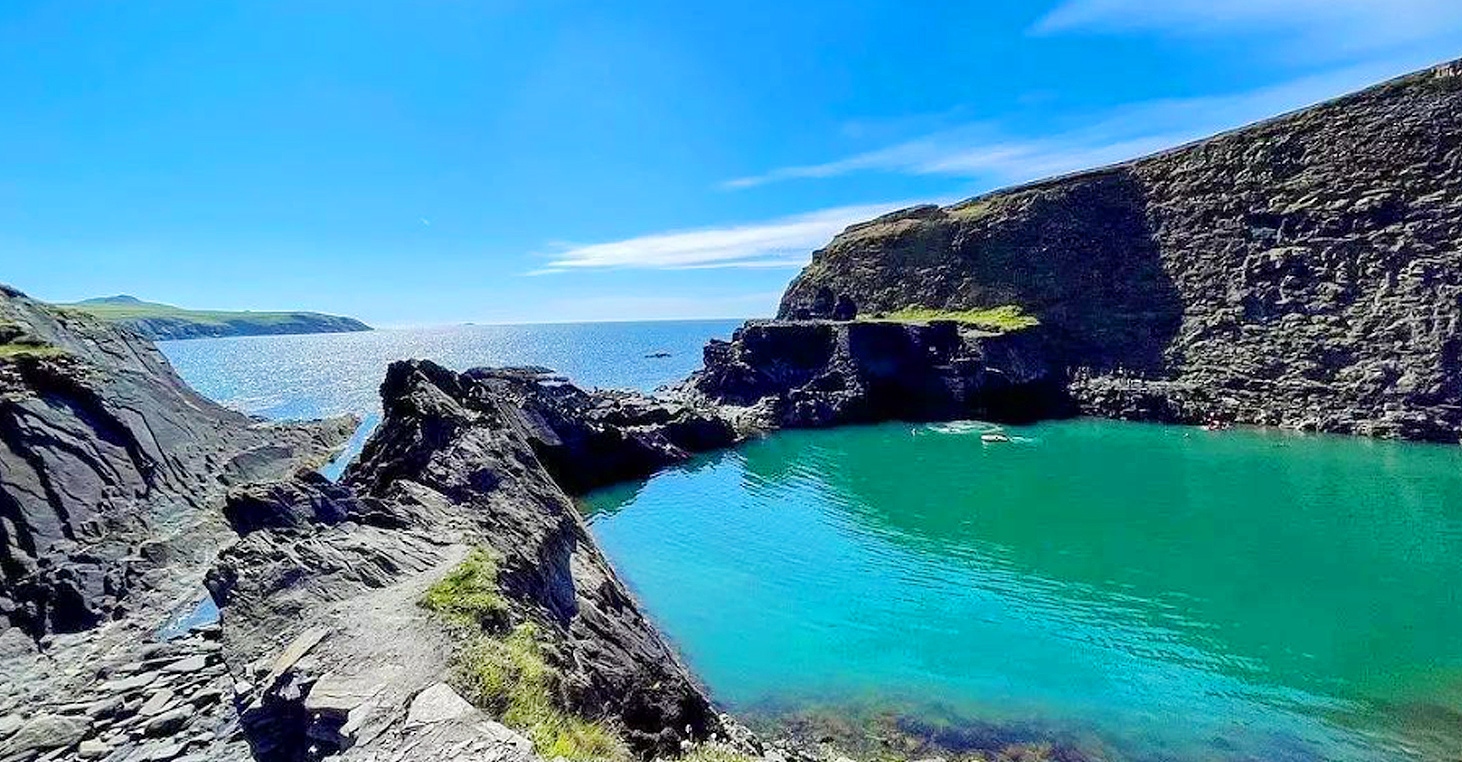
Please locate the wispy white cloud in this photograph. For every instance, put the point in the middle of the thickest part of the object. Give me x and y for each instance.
(1338, 25)
(781, 242)
(989, 151)
(664, 307)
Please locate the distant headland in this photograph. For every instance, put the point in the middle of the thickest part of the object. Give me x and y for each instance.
(164, 321)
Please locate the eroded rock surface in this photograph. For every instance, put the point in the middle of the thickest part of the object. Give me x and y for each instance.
(112, 481)
(1304, 272)
(318, 596)
(826, 373)
(111, 467)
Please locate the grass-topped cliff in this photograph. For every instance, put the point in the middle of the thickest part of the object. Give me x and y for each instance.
(1304, 271)
(164, 321)
(1007, 317)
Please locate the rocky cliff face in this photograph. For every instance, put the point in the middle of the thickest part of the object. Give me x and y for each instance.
(825, 373)
(1304, 272)
(113, 475)
(319, 595)
(111, 468)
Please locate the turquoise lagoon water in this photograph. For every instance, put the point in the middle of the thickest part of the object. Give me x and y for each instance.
(1135, 591)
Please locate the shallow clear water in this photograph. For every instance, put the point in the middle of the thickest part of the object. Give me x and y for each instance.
(1160, 592)
(318, 375)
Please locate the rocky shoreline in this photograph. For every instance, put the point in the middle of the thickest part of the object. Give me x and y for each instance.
(113, 473)
(460, 462)
(1276, 275)
(323, 649)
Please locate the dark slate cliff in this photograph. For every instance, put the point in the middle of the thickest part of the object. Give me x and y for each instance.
(318, 596)
(1303, 272)
(111, 468)
(826, 373)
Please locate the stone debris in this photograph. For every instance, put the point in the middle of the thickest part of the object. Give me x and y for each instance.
(292, 653)
(157, 712)
(190, 664)
(44, 732)
(156, 703)
(436, 704)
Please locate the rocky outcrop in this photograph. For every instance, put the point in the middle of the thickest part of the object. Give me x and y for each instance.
(112, 469)
(318, 596)
(1304, 272)
(589, 440)
(113, 475)
(826, 373)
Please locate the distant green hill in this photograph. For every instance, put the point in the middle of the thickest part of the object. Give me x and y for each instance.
(164, 321)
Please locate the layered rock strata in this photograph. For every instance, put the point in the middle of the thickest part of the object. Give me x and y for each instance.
(318, 596)
(113, 474)
(109, 462)
(826, 373)
(1303, 272)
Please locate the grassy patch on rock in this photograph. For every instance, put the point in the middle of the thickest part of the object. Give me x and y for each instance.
(469, 594)
(1009, 317)
(503, 670)
(19, 349)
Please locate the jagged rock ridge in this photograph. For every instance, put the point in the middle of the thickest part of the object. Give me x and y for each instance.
(824, 373)
(109, 464)
(326, 576)
(1303, 272)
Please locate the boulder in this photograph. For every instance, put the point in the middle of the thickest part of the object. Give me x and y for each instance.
(43, 733)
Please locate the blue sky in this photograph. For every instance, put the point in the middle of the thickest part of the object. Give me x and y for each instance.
(433, 161)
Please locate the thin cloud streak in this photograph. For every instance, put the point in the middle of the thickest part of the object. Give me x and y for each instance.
(661, 307)
(782, 242)
(987, 151)
(1330, 25)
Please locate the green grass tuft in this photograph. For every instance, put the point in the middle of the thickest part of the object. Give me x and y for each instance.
(1008, 317)
(22, 349)
(972, 210)
(469, 594)
(504, 672)
(508, 677)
